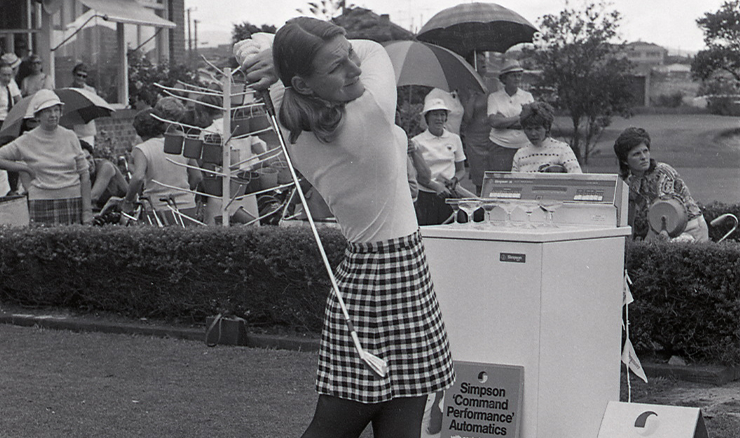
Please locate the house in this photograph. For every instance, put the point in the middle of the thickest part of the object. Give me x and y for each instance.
(645, 55)
(96, 32)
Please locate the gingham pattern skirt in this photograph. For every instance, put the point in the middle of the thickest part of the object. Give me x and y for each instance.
(55, 211)
(388, 292)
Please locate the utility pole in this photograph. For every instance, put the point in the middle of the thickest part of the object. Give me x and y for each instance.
(195, 43)
(190, 40)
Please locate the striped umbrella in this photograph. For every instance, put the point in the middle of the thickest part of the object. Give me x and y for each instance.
(470, 27)
(417, 63)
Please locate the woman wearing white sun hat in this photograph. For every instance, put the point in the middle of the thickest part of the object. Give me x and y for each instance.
(504, 107)
(52, 166)
(443, 153)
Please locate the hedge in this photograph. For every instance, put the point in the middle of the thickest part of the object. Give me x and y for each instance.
(272, 276)
(686, 299)
(686, 295)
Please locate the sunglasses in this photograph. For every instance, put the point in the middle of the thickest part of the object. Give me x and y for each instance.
(81, 75)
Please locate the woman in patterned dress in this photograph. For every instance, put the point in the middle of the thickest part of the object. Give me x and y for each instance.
(649, 180)
(338, 108)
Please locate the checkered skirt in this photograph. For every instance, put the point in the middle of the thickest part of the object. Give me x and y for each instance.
(390, 298)
(55, 211)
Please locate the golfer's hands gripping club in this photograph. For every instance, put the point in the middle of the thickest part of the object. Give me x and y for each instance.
(255, 58)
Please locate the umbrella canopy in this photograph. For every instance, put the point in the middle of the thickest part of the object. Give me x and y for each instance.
(480, 27)
(417, 63)
(80, 106)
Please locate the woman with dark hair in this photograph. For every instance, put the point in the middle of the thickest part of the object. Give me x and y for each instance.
(543, 153)
(649, 181)
(106, 178)
(339, 109)
(151, 167)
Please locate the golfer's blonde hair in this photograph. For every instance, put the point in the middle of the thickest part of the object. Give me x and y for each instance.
(294, 49)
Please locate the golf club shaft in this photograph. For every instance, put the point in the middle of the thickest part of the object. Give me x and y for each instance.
(271, 113)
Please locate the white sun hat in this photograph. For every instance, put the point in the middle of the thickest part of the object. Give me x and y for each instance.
(40, 101)
(434, 104)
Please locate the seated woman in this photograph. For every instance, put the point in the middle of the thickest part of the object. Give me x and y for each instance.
(650, 180)
(543, 154)
(159, 177)
(106, 178)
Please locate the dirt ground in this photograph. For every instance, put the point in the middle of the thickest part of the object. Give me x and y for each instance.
(720, 405)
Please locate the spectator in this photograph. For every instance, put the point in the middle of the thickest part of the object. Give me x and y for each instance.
(36, 78)
(106, 178)
(51, 159)
(544, 153)
(504, 107)
(84, 131)
(8, 94)
(442, 152)
(476, 129)
(14, 62)
(452, 100)
(649, 181)
(151, 168)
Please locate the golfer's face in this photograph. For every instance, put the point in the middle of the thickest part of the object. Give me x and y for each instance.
(638, 158)
(336, 76)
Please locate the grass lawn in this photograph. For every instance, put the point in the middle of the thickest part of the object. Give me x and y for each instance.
(65, 384)
(704, 149)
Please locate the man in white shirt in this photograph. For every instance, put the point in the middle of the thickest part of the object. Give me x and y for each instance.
(8, 96)
(84, 131)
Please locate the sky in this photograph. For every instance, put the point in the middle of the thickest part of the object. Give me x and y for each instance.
(668, 23)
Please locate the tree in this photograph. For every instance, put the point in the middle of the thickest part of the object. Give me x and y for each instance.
(361, 23)
(143, 74)
(722, 38)
(589, 77)
(245, 30)
(326, 9)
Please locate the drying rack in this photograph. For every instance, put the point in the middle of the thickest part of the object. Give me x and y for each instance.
(228, 173)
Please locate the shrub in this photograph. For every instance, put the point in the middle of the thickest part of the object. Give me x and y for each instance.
(686, 295)
(271, 275)
(673, 100)
(686, 299)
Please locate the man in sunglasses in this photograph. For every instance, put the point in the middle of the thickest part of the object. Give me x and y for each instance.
(85, 131)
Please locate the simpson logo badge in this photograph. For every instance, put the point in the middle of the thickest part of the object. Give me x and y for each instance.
(514, 258)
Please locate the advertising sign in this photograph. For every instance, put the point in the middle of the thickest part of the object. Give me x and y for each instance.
(486, 401)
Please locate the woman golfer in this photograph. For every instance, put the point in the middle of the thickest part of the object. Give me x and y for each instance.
(339, 108)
